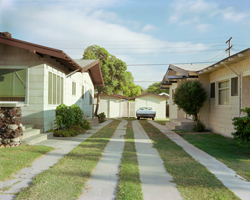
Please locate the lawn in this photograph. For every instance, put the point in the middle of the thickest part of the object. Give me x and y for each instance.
(66, 179)
(14, 159)
(129, 186)
(162, 121)
(223, 149)
(193, 180)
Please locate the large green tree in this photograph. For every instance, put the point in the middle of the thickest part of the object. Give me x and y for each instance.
(155, 88)
(114, 71)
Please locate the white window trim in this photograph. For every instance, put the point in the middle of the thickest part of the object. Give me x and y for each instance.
(217, 93)
(26, 103)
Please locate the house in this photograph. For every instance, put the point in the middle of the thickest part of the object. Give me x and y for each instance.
(38, 79)
(112, 105)
(158, 102)
(227, 84)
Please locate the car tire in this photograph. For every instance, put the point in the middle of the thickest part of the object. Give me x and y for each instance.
(138, 118)
(153, 118)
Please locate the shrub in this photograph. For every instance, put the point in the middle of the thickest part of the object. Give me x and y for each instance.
(199, 126)
(101, 117)
(71, 119)
(190, 97)
(242, 127)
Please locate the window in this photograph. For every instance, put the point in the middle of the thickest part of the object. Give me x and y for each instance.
(90, 97)
(73, 88)
(55, 89)
(212, 90)
(223, 89)
(82, 92)
(13, 84)
(234, 86)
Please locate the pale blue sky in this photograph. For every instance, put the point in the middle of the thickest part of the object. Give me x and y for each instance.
(136, 31)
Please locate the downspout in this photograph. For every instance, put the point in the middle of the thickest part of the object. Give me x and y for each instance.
(239, 85)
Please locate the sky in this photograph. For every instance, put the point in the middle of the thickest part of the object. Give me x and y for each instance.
(147, 35)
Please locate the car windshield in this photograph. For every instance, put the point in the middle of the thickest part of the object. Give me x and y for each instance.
(145, 108)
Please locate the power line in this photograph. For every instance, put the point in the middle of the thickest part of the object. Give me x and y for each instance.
(171, 63)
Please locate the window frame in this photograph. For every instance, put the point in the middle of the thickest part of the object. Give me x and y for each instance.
(26, 101)
(220, 89)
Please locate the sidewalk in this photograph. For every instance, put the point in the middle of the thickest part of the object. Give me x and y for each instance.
(156, 181)
(62, 146)
(237, 184)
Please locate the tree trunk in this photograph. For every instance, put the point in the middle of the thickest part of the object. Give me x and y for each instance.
(97, 103)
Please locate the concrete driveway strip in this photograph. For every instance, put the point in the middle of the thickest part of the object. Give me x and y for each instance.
(63, 146)
(156, 181)
(237, 184)
(103, 183)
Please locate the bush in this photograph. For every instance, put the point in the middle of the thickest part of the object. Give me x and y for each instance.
(101, 117)
(242, 127)
(199, 126)
(69, 121)
(190, 97)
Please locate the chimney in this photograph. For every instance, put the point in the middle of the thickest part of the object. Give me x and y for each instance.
(5, 34)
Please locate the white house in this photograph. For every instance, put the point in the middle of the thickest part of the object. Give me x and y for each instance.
(38, 79)
(227, 83)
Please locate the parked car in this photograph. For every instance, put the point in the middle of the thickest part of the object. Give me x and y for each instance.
(145, 112)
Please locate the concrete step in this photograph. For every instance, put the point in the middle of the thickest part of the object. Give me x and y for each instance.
(36, 138)
(30, 132)
(172, 125)
(182, 122)
(27, 126)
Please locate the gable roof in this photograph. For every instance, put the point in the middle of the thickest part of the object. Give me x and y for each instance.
(150, 94)
(59, 56)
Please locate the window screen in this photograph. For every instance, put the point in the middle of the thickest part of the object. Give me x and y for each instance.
(73, 88)
(234, 86)
(55, 89)
(12, 84)
(212, 90)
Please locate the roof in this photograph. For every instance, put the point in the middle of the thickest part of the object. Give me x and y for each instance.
(93, 67)
(113, 95)
(150, 94)
(57, 55)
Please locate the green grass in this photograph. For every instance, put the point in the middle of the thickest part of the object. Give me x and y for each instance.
(14, 159)
(193, 180)
(223, 149)
(66, 179)
(129, 186)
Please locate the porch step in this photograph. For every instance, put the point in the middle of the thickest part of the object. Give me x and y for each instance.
(33, 136)
(172, 125)
(184, 124)
(36, 138)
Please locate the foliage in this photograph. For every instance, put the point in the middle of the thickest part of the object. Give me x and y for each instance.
(115, 76)
(242, 127)
(190, 97)
(101, 117)
(71, 119)
(155, 88)
(199, 126)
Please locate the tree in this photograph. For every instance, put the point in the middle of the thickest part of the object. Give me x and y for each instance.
(190, 96)
(114, 72)
(155, 88)
(129, 88)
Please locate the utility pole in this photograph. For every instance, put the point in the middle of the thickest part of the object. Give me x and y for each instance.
(229, 48)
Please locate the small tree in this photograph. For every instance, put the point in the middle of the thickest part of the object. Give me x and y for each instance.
(190, 97)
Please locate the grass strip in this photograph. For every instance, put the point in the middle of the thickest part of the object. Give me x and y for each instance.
(66, 179)
(162, 121)
(129, 186)
(193, 180)
(223, 149)
(14, 159)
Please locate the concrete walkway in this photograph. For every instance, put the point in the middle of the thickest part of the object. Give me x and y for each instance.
(103, 184)
(238, 185)
(156, 181)
(62, 146)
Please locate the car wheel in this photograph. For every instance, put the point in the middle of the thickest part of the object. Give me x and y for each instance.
(138, 118)
(153, 118)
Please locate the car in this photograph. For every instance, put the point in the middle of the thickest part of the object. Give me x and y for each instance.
(145, 112)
